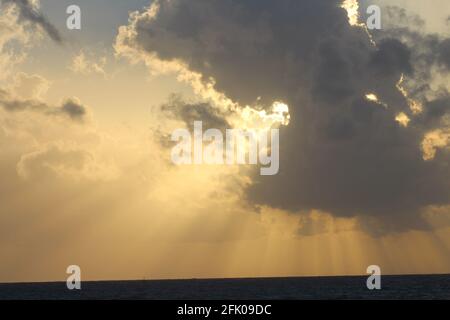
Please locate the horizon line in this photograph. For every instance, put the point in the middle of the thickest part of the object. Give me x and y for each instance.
(230, 278)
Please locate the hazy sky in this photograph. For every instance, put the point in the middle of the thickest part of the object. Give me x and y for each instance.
(85, 115)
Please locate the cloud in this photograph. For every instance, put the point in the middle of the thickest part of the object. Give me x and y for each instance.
(316, 222)
(70, 108)
(57, 160)
(86, 64)
(52, 160)
(341, 153)
(29, 86)
(29, 13)
(11, 33)
(187, 112)
(428, 52)
(391, 58)
(73, 108)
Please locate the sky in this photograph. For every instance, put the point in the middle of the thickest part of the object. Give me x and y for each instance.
(86, 117)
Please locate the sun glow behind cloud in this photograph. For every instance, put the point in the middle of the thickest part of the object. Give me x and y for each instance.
(415, 106)
(109, 198)
(352, 8)
(402, 119)
(434, 140)
(374, 98)
(242, 116)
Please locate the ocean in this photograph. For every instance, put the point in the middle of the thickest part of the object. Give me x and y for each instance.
(310, 288)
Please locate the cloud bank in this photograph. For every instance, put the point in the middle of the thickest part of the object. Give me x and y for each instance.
(342, 153)
(70, 108)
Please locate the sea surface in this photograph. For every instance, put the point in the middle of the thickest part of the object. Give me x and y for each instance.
(347, 287)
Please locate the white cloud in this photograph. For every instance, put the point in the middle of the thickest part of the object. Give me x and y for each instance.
(86, 64)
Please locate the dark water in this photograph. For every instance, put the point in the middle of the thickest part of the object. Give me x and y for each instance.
(393, 287)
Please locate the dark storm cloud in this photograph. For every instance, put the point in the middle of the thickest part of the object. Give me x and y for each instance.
(444, 53)
(429, 57)
(28, 13)
(434, 113)
(340, 153)
(425, 50)
(392, 57)
(70, 108)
